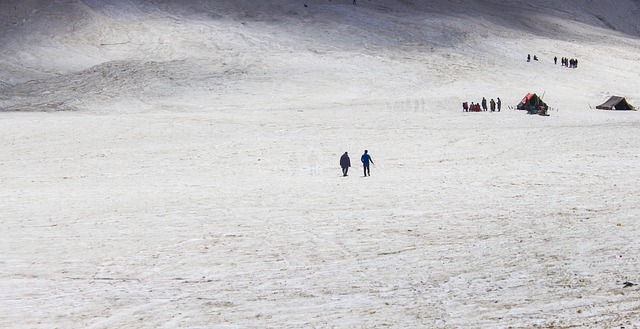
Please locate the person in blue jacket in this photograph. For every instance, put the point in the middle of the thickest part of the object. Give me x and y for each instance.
(366, 158)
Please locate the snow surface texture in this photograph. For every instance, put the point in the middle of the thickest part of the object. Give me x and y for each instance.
(174, 164)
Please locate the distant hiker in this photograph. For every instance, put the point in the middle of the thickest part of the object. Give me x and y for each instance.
(535, 58)
(345, 163)
(499, 103)
(465, 107)
(528, 57)
(543, 110)
(555, 60)
(366, 158)
(492, 103)
(484, 104)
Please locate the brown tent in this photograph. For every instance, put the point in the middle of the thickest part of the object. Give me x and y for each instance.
(615, 103)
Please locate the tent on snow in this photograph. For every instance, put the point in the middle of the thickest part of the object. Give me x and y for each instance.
(533, 104)
(615, 103)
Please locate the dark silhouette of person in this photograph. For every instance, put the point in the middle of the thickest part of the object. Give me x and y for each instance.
(484, 104)
(366, 158)
(493, 105)
(555, 60)
(499, 103)
(345, 163)
(528, 57)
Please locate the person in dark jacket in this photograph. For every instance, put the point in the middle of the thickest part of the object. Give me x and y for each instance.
(345, 163)
(484, 104)
(366, 158)
(499, 104)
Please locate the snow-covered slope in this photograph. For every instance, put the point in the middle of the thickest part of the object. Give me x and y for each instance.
(67, 55)
(174, 164)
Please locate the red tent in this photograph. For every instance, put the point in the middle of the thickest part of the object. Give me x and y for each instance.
(532, 104)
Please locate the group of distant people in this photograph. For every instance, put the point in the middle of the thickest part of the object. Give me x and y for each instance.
(345, 163)
(570, 63)
(482, 107)
(564, 61)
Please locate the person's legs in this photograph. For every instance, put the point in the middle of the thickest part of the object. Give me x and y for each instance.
(344, 171)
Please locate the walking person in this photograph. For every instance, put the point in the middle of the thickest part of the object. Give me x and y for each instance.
(499, 103)
(484, 104)
(366, 158)
(492, 103)
(345, 163)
